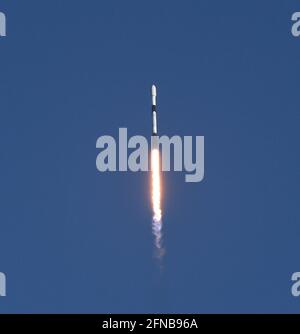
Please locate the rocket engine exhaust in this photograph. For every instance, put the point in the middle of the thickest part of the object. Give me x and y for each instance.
(156, 182)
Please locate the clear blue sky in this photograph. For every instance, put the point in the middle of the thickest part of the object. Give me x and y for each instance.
(75, 240)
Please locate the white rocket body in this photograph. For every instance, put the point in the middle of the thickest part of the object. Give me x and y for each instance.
(154, 116)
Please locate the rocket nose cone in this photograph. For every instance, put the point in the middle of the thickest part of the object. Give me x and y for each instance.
(153, 90)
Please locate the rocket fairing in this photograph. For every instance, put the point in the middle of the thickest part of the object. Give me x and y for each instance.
(154, 118)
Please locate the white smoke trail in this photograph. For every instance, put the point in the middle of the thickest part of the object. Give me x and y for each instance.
(157, 231)
(156, 202)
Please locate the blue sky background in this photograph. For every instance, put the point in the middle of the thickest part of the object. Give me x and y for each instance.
(75, 240)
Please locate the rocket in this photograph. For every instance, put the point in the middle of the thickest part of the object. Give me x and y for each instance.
(154, 119)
